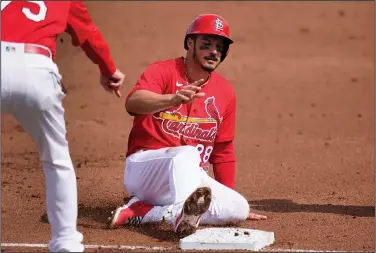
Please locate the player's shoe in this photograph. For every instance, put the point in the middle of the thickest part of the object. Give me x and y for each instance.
(194, 207)
(131, 213)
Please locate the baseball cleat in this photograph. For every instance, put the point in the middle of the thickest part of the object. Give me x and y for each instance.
(131, 213)
(194, 207)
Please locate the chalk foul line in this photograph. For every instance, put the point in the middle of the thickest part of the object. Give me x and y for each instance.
(88, 246)
(127, 247)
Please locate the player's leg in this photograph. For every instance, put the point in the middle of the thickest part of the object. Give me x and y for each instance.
(227, 206)
(163, 183)
(147, 180)
(164, 176)
(37, 105)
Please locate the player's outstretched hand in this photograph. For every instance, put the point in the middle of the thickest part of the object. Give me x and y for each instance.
(113, 83)
(189, 93)
(254, 216)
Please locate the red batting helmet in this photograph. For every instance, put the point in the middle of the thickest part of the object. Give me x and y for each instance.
(210, 24)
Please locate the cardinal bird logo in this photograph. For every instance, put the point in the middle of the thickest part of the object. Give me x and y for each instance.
(212, 110)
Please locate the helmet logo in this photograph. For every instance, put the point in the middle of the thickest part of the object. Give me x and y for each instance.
(218, 25)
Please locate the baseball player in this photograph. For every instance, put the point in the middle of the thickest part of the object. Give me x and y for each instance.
(184, 119)
(31, 91)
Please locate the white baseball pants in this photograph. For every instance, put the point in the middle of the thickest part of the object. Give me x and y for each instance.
(167, 176)
(31, 92)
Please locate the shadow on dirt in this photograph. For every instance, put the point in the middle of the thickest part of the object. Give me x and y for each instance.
(288, 206)
(95, 217)
(90, 216)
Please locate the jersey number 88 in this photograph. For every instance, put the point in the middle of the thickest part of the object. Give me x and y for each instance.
(207, 152)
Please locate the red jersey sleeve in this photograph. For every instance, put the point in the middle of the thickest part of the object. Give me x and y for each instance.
(153, 79)
(226, 131)
(85, 34)
(224, 173)
(223, 160)
(223, 152)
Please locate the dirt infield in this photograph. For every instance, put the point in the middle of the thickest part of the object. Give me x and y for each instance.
(304, 76)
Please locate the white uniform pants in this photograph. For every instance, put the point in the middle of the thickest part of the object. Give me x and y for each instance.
(31, 92)
(167, 176)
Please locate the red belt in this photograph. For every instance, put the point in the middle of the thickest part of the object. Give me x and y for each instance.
(32, 49)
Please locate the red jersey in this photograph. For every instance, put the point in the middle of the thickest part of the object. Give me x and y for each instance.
(203, 123)
(40, 22)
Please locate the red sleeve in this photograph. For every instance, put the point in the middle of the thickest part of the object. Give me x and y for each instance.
(223, 160)
(224, 173)
(153, 79)
(223, 152)
(85, 34)
(226, 131)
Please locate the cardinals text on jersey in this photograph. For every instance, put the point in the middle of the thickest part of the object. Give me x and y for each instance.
(201, 129)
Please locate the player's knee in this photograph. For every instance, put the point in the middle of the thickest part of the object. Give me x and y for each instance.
(243, 210)
(187, 161)
(240, 211)
(230, 212)
(57, 164)
(189, 154)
